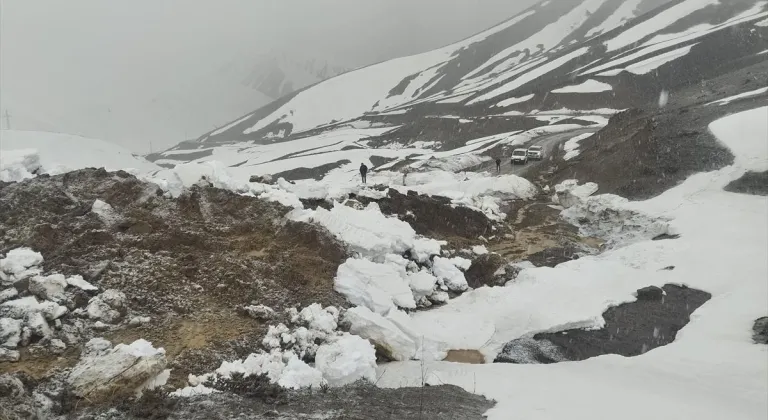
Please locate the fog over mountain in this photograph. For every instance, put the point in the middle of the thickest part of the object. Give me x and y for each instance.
(148, 73)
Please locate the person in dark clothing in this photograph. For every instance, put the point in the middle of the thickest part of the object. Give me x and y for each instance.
(498, 165)
(363, 171)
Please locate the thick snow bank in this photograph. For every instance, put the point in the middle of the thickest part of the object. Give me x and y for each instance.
(369, 232)
(58, 153)
(588, 86)
(377, 286)
(724, 372)
(349, 359)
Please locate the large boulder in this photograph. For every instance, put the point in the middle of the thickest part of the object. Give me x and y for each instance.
(760, 330)
(108, 307)
(484, 269)
(48, 287)
(115, 372)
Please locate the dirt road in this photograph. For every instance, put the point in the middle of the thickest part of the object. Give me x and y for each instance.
(550, 145)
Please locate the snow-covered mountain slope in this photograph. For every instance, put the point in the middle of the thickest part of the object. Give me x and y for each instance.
(546, 65)
(26, 153)
(139, 115)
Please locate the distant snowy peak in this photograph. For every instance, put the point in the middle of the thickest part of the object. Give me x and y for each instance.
(276, 74)
(555, 67)
(544, 49)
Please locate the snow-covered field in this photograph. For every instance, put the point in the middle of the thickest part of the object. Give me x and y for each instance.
(711, 371)
(25, 152)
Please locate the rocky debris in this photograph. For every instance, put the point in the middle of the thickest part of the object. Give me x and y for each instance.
(357, 401)
(49, 287)
(259, 256)
(17, 402)
(760, 330)
(530, 351)
(8, 355)
(630, 329)
(755, 183)
(107, 307)
(434, 216)
(8, 294)
(139, 320)
(551, 257)
(484, 271)
(569, 193)
(106, 372)
(19, 264)
(308, 328)
(261, 179)
(609, 216)
(10, 332)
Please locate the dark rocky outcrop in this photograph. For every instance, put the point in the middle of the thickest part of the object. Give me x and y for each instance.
(483, 269)
(755, 183)
(760, 330)
(630, 329)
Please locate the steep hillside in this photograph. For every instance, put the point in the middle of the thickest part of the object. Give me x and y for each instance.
(554, 68)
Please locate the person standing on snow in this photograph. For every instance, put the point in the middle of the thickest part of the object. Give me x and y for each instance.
(363, 171)
(498, 165)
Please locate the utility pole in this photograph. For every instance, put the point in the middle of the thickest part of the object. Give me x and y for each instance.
(7, 120)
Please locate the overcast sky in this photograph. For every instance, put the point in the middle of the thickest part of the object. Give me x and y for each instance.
(108, 50)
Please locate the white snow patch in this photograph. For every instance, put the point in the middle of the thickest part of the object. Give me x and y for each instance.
(622, 14)
(369, 232)
(643, 29)
(512, 101)
(449, 274)
(739, 96)
(59, 153)
(571, 146)
(588, 86)
(349, 359)
(376, 286)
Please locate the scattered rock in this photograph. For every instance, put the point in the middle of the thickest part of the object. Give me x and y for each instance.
(10, 332)
(49, 287)
(7, 355)
(139, 320)
(57, 346)
(8, 294)
(260, 312)
(38, 325)
(117, 372)
(483, 271)
(262, 179)
(107, 307)
(530, 351)
(760, 330)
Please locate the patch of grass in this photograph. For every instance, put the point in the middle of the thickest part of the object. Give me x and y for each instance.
(253, 386)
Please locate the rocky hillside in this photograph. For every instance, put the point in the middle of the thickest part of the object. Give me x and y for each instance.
(257, 275)
(571, 62)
